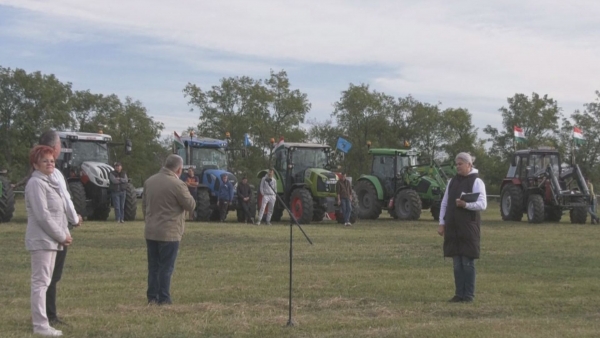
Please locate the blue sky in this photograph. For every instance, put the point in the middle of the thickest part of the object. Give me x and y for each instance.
(469, 54)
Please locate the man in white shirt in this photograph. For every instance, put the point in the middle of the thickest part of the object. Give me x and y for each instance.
(268, 187)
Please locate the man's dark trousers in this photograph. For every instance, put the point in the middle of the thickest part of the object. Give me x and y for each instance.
(161, 263)
(56, 275)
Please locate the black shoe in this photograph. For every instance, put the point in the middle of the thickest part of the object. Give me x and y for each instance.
(56, 321)
(455, 299)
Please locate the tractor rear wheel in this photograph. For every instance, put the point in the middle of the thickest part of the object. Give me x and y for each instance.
(301, 205)
(130, 203)
(202, 212)
(369, 206)
(535, 209)
(578, 215)
(407, 205)
(7, 200)
(511, 203)
(78, 197)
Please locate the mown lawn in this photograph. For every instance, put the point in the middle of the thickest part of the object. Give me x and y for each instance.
(376, 279)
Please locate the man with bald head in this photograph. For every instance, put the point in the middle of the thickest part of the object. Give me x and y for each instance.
(165, 200)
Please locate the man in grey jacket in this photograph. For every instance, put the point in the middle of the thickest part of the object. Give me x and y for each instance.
(165, 199)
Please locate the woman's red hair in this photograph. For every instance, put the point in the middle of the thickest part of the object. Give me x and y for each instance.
(38, 152)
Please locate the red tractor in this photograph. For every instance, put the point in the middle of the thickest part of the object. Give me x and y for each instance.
(537, 185)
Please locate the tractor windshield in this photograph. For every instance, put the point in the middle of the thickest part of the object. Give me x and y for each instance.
(85, 151)
(539, 163)
(208, 158)
(304, 158)
(406, 161)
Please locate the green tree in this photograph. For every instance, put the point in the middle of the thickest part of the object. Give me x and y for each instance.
(459, 133)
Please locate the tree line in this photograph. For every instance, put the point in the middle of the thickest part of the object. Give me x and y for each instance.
(270, 108)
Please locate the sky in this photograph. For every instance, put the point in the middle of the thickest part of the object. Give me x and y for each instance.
(469, 54)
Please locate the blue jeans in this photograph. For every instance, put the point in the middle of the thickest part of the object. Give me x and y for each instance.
(346, 209)
(161, 263)
(464, 277)
(118, 199)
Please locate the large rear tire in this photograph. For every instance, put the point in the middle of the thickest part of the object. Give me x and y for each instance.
(511, 203)
(578, 215)
(535, 209)
(203, 211)
(301, 205)
(369, 206)
(407, 205)
(130, 203)
(78, 197)
(7, 200)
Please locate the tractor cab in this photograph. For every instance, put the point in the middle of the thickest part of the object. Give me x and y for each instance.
(293, 159)
(528, 164)
(388, 166)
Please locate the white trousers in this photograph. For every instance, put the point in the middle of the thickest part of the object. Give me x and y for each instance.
(42, 266)
(270, 200)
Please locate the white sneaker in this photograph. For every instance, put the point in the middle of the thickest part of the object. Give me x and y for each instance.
(49, 332)
(258, 223)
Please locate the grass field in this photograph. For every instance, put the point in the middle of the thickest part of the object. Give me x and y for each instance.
(376, 279)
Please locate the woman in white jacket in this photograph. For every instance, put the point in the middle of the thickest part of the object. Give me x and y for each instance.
(47, 232)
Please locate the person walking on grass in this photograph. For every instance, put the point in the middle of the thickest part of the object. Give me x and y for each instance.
(268, 186)
(47, 233)
(344, 197)
(460, 224)
(165, 199)
(118, 187)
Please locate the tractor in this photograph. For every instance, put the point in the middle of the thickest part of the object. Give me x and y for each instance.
(83, 161)
(7, 198)
(209, 158)
(305, 183)
(536, 184)
(397, 183)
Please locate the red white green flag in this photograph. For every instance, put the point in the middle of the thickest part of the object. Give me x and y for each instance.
(519, 135)
(177, 140)
(578, 136)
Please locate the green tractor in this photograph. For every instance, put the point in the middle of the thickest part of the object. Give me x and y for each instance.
(305, 183)
(397, 183)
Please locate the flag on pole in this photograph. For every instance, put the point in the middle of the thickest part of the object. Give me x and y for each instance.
(519, 135)
(280, 142)
(177, 140)
(247, 140)
(343, 145)
(578, 136)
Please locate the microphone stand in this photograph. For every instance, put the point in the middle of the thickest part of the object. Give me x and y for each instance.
(293, 221)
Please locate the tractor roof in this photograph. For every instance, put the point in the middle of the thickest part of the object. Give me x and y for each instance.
(204, 142)
(304, 145)
(73, 135)
(392, 152)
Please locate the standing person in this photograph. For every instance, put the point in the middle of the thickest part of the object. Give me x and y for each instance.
(268, 186)
(344, 197)
(244, 194)
(118, 187)
(192, 181)
(593, 220)
(163, 203)
(224, 196)
(460, 225)
(47, 232)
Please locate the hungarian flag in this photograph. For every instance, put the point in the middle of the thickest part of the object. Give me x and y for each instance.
(519, 136)
(280, 142)
(177, 140)
(578, 136)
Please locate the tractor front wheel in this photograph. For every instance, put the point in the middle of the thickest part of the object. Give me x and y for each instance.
(535, 209)
(578, 215)
(78, 197)
(130, 203)
(202, 212)
(407, 205)
(369, 206)
(301, 205)
(511, 203)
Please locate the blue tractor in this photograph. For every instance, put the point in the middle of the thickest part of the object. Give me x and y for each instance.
(209, 159)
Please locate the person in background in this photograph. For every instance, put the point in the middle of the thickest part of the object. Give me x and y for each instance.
(460, 224)
(47, 232)
(164, 201)
(593, 220)
(118, 187)
(268, 186)
(344, 197)
(244, 194)
(224, 197)
(192, 181)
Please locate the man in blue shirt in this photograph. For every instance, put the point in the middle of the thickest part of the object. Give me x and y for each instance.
(225, 196)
